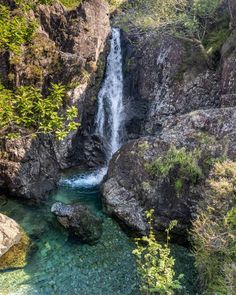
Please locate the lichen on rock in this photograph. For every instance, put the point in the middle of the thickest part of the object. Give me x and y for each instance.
(14, 244)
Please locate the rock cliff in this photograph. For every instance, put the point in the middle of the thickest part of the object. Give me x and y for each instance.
(67, 49)
(173, 98)
(131, 188)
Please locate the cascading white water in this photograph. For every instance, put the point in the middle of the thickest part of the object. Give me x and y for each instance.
(110, 99)
(110, 115)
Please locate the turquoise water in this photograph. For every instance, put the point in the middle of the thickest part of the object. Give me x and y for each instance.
(63, 266)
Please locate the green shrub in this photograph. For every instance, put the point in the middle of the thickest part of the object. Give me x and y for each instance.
(15, 30)
(155, 263)
(214, 232)
(71, 3)
(26, 107)
(185, 163)
(191, 21)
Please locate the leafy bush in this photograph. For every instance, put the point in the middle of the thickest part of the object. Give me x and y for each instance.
(26, 107)
(214, 232)
(15, 30)
(185, 163)
(155, 264)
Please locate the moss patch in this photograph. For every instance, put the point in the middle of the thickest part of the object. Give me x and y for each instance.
(70, 3)
(185, 164)
(16, 257)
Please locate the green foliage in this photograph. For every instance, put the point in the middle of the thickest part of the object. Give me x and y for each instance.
(15, 30)
(70, 3)
(26, 107)
(114, 4)
(155, 264)
(216, 37)
(185, 163)
(191, 20)
(214, 232)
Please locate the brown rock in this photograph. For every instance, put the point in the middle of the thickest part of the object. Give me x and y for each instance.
(9, 233)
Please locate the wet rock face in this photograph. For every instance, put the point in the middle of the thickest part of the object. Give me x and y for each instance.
(9, 233)
(80, 221)
(28, 167)
(130, 189)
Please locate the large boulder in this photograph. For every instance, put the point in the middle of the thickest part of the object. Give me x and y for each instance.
(79, 220)
(10, 234)
(131, 188)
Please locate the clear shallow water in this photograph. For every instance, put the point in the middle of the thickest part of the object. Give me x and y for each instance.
(62, 266)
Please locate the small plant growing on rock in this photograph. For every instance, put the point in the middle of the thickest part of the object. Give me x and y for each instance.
(155, 264)
(186, 165)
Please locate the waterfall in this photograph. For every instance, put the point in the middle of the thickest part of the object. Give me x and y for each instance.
(110, 114)
(110, 99)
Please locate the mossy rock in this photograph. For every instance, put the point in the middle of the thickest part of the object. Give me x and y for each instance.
(17, 256)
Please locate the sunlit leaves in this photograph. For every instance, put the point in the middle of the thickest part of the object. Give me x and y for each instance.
(155, 263)
(26, 107)
(15, 29)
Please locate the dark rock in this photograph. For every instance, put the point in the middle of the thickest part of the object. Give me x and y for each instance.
(28, 167)
(228, 75)
(163, 77)
(130, 189)
(79, 220)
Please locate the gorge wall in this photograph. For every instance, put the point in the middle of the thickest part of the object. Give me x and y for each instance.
(67, 48)
(173, 98)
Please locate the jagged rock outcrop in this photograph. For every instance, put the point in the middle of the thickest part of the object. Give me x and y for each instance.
(28, 167)
(79, 220)
(66, 48)
(10, 233)
(130, 188)
(169, 77)
(165, 76)
(173, 98)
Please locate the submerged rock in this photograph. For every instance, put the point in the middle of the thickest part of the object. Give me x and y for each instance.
(79, 220)
(17, 256)
(14, 244)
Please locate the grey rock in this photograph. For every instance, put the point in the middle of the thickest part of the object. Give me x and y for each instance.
(80, 221)
(28, 167)
(130, 189)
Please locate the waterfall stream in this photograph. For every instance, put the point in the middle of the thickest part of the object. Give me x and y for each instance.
(110, 99)
(110, 114)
